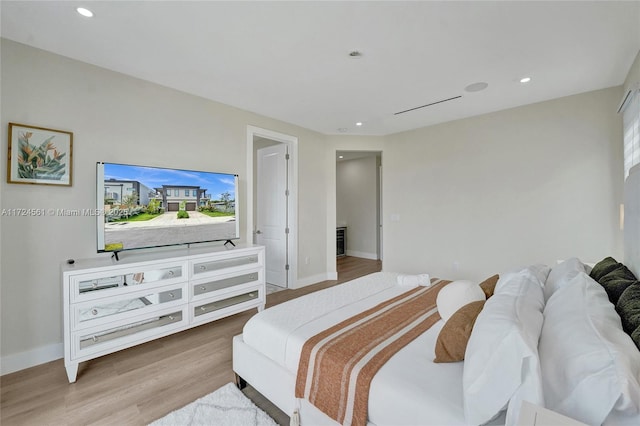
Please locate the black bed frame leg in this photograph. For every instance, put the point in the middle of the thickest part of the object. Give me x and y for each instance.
(240, 382)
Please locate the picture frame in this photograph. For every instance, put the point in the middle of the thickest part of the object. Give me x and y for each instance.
(39, 156)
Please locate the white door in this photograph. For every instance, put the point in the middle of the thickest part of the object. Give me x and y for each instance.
(271, 214)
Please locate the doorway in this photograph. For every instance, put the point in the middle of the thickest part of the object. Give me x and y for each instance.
(359, 202)
(272, 202)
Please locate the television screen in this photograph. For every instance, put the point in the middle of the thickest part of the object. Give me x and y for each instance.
(147, 207)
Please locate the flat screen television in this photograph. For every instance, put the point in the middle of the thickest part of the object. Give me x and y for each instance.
(145, 207)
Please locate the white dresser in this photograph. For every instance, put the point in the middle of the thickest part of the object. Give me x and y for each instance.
(112, 305)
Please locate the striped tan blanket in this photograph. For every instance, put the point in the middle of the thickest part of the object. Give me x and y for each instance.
(337, 365)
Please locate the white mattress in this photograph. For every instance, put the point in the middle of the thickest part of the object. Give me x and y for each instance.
(409, 389)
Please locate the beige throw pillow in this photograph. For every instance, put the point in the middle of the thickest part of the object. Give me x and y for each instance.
(489, 285)
(454, 335)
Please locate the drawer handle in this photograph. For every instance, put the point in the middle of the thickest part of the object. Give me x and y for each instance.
(202, 308)
(203, 288)
(171, 317)
(94, 311)
(94, 284)
(203, 267)
(94, 338)
(171, 295)
(170, 273)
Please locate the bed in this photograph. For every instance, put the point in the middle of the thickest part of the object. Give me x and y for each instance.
(550, 336)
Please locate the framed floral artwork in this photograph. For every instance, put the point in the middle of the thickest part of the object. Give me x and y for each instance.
(38, 155)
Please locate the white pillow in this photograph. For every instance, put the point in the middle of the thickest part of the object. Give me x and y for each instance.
(537, 273)
(501, 366)
(590, 367)
(561, 274)
(455, 295)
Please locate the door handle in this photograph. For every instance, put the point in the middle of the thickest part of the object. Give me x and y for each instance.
(258, 232)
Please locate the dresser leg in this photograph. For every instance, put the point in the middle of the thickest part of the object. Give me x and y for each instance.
(72, 372)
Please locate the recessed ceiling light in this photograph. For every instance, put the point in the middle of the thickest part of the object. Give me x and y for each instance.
(358, 123)
(525, 79)
(340, 156)
(476, 87)
(84, 12)
(355, 54)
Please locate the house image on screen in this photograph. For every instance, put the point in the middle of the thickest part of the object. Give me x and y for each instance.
(172, 195)
(117, 190)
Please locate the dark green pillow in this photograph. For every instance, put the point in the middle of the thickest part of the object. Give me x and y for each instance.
(635, 336)
(617, 281)
(603, 267)
(628, 307)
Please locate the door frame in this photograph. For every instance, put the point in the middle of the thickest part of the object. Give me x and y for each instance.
(292, 143)
(379, 205)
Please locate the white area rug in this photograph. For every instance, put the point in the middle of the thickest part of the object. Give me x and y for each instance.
(227, 406)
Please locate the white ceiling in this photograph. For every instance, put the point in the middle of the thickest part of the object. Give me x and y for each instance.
(289, 60)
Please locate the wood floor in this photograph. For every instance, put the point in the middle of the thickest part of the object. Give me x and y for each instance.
(141, 384)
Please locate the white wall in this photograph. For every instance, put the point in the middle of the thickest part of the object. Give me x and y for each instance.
(633, 77)
(531, 184)
(121, 119)
(356, 204)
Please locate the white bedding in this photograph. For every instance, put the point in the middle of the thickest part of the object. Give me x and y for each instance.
(280, 331)
(424, 393)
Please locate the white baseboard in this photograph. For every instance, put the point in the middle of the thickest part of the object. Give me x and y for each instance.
(303, 282)
(22, 360)
(362, 254)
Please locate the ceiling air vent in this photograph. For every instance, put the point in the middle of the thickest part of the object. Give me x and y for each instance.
(424, 106)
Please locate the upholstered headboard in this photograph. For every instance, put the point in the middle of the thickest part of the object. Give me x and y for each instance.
(632, 221)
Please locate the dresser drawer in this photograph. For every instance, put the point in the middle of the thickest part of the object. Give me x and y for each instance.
(107, 309)
(98, 285)
(205, 288)
(120, 335)
(232, 302)
(201, 268)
